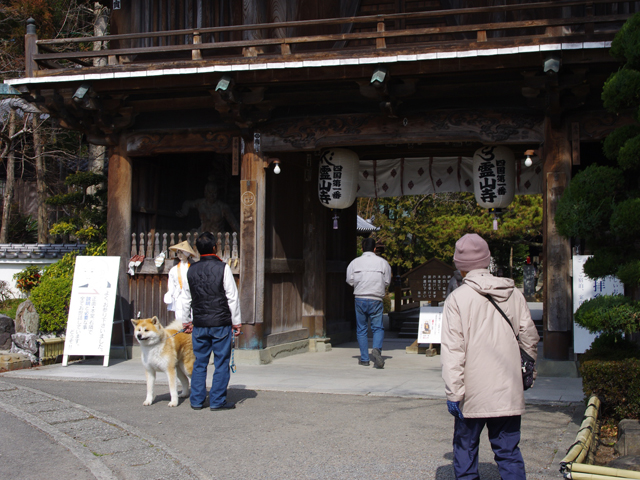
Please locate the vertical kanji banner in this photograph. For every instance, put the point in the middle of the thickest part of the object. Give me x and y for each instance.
(93, 297)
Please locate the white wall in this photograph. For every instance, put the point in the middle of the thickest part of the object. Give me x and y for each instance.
(11, 266)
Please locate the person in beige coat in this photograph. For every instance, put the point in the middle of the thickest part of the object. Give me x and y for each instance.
(481, 362)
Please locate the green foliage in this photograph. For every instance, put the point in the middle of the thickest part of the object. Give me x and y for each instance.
(86, 219)
(600, 207)
(10, 307)
(616, 383)
(52, 297)
(610, 346)
(51, 300)
(622, 90)
(616, 140)
(416, 228)
(386, 303)
(587, 203)
(629, 273)
(625, 220)
(612, 314)
(28, 278)
(629, 154)
(626, 44)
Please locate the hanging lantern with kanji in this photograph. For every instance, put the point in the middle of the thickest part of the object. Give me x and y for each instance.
(338, 178)
(494, 183)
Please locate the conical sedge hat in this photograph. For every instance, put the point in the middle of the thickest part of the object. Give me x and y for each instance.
(184, 246)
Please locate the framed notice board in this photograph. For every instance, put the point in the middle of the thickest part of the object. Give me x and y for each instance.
(93, 296)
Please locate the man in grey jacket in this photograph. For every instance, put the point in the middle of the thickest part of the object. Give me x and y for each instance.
(369, 275)
(481, 362)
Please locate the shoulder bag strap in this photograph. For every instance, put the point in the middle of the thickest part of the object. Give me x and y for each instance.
(490, 298)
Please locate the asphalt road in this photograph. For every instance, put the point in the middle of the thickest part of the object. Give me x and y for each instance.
(66, 429)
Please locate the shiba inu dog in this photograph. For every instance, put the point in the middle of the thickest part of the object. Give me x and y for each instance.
(165, 350)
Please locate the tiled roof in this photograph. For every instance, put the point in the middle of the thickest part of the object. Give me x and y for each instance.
(38, 250)
(364, 226)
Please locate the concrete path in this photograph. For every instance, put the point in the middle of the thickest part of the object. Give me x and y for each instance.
(336, 371)
(309, 416)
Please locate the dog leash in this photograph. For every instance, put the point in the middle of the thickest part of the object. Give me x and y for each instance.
(232, 363)
(179, 331)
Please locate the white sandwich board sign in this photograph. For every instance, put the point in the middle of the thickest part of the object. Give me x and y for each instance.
(430, 325)
(93, 297)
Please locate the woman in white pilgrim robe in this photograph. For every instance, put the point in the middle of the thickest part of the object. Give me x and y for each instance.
(174, 298)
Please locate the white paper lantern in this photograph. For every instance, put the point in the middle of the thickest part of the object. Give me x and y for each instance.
(494, 170)
(338, 178)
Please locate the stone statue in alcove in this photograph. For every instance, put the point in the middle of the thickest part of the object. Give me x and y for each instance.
(213, 212)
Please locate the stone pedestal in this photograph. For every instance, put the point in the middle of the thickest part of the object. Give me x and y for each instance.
(628, 438)
(14, 361)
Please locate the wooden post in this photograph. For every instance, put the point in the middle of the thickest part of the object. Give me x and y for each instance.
(381, 42)
(41, 186)
(314, 254)
(558, 318)
(252, 243)
(196, 54)
(119, 213)
(30, 48)
(11, 179)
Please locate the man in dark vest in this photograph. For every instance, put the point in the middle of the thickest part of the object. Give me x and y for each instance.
(212, 296)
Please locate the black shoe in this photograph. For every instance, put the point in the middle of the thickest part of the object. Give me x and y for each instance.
(364, 364)
(378, 362)
(197, 407)
(224, 406)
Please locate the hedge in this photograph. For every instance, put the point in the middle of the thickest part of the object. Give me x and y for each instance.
(616, 383)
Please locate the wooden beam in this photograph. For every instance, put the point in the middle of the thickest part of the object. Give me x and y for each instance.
(558, 318)
(313, 133)
(144, 144)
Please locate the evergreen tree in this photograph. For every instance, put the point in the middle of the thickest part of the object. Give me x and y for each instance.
(601, 206)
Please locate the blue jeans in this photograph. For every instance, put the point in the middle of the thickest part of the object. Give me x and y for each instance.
(367, 309)
(504, 436)
(206, 340)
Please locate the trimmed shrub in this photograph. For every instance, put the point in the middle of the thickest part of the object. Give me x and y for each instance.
(609, 346)
(609, 314)
(51, 299)
(53, 295)
(616, 383)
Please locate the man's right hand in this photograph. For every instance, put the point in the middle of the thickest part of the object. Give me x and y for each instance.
(236, 329)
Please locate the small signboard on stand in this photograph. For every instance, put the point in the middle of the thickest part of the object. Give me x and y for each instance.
(430, 325)
(93, 296)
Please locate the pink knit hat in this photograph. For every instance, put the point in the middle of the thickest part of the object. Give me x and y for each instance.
(472, 252)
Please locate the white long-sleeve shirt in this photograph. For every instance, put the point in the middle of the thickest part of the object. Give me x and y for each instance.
(231, 292)
(174, 298)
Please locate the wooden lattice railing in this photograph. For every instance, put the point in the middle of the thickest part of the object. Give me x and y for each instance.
(519, 24)
(151, 245)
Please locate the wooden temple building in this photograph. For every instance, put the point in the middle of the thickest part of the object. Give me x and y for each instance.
(189, 92)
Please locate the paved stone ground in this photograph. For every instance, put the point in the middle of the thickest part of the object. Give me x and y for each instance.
(77, 430)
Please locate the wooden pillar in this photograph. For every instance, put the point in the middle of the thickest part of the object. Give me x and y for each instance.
(558, 319)
(252, 244)
(41, 186)
(119, 213)
(314, 254)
